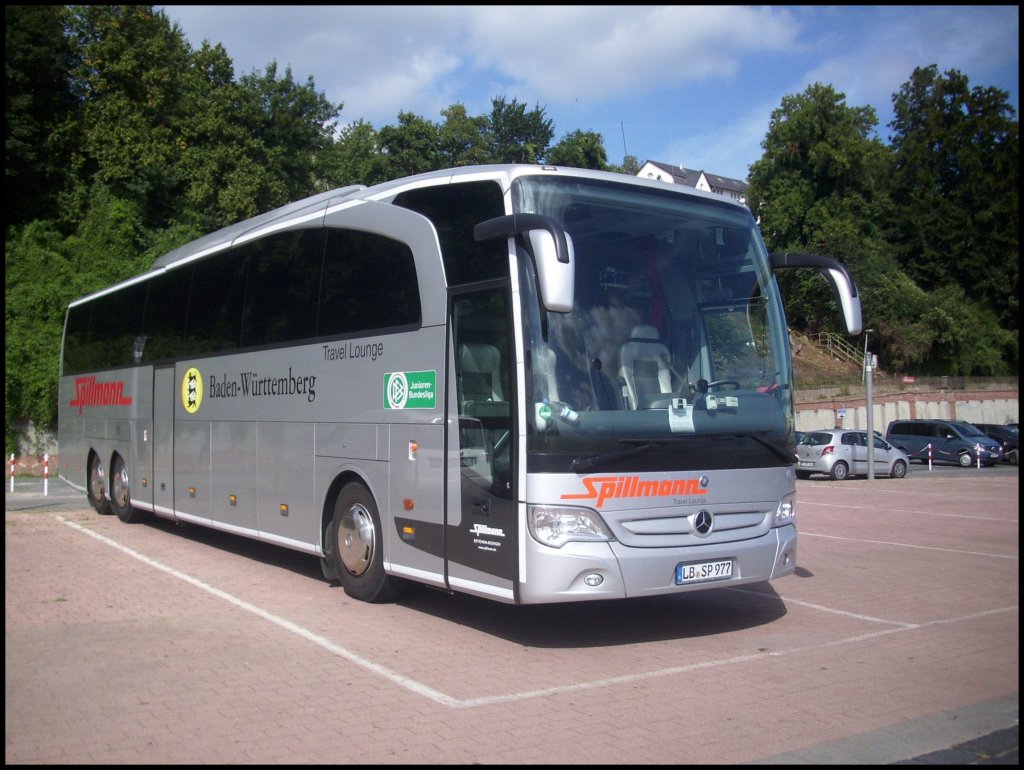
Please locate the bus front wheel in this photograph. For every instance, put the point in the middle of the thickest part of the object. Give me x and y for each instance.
(356, 541)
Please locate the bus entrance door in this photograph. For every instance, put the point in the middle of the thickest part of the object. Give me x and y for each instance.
(482, 535)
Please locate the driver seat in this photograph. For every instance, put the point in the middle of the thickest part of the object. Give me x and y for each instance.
(643, 369)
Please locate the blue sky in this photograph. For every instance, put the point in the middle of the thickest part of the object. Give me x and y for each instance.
(689, 85)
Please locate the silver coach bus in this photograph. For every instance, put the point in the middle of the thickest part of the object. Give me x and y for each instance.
(532, 384)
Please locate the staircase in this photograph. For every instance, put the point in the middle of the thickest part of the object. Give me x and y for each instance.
(838, 347)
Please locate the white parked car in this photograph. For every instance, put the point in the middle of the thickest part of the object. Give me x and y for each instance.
(841, 453)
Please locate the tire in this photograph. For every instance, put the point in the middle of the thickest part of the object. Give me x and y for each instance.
(899, 470)
(840, 471)
(355, 547)
(965, 460)
(803, 474)
(120, 495)
(96, 487)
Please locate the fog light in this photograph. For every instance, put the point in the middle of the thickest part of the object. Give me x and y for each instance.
(593, 579)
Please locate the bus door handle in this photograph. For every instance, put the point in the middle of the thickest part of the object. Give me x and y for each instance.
(482, 507)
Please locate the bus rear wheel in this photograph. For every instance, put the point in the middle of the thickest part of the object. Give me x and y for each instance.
(120, 495)
(356, 541)
(96, 487)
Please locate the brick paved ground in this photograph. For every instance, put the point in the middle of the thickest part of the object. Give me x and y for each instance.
(898, 636)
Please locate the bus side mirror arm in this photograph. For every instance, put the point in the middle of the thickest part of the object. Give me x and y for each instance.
(842, 282)
(549, 246)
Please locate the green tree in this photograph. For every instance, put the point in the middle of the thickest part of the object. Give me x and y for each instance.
(355, 158)
(129, 85)
(579, 149)
(821, 186)
(37, 98)
(167, 146)
(956, 181)
(294, 125)
(411, 147)
(519, 136)
(630, 165)
(463, 140)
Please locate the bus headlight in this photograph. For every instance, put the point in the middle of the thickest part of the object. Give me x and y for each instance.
(785, 513)
(556, 526)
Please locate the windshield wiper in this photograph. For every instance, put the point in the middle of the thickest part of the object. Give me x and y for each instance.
(581, 464)
(783, 455)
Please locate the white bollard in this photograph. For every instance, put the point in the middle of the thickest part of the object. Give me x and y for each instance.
(46, 474)
(977, 455)
(929, 456)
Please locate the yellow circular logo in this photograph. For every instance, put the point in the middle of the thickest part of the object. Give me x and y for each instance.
(192, 390)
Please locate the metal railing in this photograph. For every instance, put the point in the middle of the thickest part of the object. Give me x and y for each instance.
(838, 347)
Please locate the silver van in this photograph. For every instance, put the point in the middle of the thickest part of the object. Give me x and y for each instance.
(949, 441)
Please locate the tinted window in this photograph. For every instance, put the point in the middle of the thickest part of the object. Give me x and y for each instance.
(454, 211)
(164, 321)
(817, 439)
(966, 429)
(104, 333)
(283, 280)
(369, 282)
(215, 305)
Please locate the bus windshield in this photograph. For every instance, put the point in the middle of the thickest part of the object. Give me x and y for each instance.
(676, 331)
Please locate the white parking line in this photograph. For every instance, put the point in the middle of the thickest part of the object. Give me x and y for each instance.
(460, 703)
(804, 533)
(888, 510)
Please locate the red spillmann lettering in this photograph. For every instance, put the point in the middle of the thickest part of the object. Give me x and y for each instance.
(88, 392)
(601, 488)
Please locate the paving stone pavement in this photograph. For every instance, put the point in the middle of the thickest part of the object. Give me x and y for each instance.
(897, 642)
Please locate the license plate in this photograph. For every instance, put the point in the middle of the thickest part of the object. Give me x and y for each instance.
(807, 463)
(703, 570)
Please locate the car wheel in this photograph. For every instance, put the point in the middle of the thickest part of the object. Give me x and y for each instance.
(965, 460)
(899, 470)
(840, 471)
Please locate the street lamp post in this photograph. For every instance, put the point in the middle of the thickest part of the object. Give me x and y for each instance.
(870, 406)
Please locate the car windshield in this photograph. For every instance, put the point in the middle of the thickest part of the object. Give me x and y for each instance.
(969, 430)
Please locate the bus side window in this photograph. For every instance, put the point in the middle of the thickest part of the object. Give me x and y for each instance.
(215, 302)
(454, 210)
(283, 275)
(369, 282)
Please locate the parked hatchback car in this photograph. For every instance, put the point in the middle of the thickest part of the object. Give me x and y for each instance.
(1007, 435)
(841, 453)
(950, 441)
